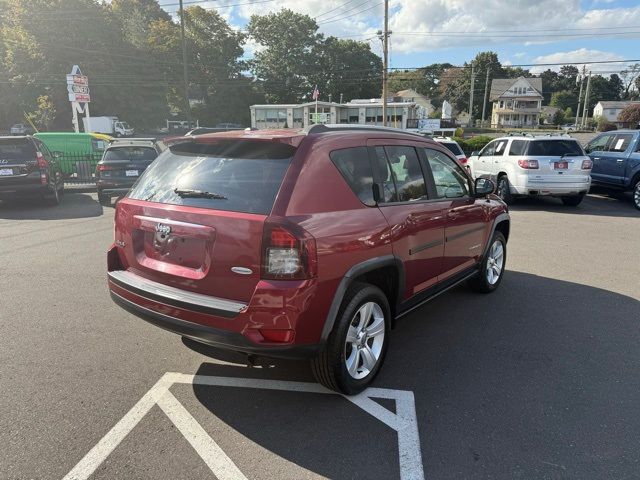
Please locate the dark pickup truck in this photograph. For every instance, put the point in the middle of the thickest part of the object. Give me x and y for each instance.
(616, 162)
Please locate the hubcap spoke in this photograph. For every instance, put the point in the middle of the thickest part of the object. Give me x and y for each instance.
(376, 327)
(368, 358)
(352, 362)
(352, 334)
(365, 315)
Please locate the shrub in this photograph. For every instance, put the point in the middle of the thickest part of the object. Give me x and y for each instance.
(459, 133)
(605, 126)
(472, 144)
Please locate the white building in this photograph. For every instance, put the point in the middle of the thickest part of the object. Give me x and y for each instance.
(610, 110)
(517, 102)
(400, 114)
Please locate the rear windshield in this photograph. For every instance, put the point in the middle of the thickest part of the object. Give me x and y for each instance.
(244, 176)
(453, 148)
(130, 153)
(17, 149)
(554, 148)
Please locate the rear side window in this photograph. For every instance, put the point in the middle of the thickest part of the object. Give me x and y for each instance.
(17, 149)
(554, 148)
(453, 147)
(518, 147)
(231, 175)
(130, 153)
(620, 142)
(355, 167)
(406, 174)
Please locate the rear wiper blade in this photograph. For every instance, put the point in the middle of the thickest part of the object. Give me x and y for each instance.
(187, 193)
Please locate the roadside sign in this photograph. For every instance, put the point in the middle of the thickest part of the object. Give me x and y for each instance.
(320, 117)
(429, 124)
(78, 86)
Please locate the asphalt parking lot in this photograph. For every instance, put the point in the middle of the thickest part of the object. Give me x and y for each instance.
(540, 380)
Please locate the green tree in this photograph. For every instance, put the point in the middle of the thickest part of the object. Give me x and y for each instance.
(564, 99)
(42, 117)
(558, 117)
(346, 67)
(285, 60)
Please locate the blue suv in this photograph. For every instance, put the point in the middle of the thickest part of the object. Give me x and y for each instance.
(616, 162)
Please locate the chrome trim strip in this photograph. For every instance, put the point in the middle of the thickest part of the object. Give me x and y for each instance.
(164, 292)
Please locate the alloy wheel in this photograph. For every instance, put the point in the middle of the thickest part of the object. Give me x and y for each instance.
(636, 195)
(364, 341)
(495, 262)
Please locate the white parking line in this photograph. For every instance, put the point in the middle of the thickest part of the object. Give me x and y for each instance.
(404, 422)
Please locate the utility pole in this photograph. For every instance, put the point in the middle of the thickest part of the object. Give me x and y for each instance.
(584, 71)
(473, 81)
(585, 111)
(385, 61)
(486, 91)
(184, 65)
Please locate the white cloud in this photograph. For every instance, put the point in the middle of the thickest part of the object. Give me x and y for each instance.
(576, 56)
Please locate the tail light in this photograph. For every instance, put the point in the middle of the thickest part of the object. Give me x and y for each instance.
(102, 168)
(464, 161)
(288, 252)
(587, 164)
(528, 164)
(43, 165)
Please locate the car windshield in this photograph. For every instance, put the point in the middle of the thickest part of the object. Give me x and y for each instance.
(240, 176)
(17, 149)
(453, 148)
(130, 153)
(554, 148)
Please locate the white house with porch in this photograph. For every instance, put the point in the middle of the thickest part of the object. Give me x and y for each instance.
(400, 114)
(517, 102)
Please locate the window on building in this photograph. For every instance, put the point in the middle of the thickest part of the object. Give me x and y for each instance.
(373, 115)
(298, 117)
(612, 112)
(323, 115)
(354, 115)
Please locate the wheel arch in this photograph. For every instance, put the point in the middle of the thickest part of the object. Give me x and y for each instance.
(386, 273)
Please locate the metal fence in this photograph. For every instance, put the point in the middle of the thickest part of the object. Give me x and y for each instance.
(78, 168)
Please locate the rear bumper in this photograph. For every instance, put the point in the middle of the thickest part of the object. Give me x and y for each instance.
(524, 185)
(25, 189)
(114, 189)
(223, 339)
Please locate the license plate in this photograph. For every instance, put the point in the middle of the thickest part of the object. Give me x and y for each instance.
(6, 171)
(131, 173)
(560, 165)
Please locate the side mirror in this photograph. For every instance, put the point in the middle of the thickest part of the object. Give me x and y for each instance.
(484, 187)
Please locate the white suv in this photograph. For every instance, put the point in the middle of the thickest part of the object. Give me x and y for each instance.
(453, 147)
(525, 165)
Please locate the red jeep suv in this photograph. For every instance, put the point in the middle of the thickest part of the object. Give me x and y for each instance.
(303, 243)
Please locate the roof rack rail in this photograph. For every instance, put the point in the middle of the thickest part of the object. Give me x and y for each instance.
(337, 127)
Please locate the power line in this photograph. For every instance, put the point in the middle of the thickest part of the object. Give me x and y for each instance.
(351, 15)
(334, 9)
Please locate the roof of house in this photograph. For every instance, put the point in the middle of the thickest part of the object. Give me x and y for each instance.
(410, 93)
(616, 104)
(500, 85)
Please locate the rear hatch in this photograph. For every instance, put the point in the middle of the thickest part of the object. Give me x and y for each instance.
(194, 220)
(559, 161)
(123, 165)
(18, 162)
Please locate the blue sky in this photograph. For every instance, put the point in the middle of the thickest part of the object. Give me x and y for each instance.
(454, 31)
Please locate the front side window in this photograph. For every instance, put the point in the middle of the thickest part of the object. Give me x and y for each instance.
(599, 144)
(489, 149)
(230, 175)
(355, 167)
(449, 179)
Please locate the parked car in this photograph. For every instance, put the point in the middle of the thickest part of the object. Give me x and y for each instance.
(616, 162)
(29, 169)
(20, 129)
(453, 147)
(525, 165)
(235, 240)
(121, 165)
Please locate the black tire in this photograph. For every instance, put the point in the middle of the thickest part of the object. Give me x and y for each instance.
(635, 194)
(330, 367)
(573, 201)
(503, 191)
(52, 199)
(481, 283)
(104, 199)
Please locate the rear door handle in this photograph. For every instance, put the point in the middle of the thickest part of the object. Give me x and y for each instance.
(620, 160)
(596, 158)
